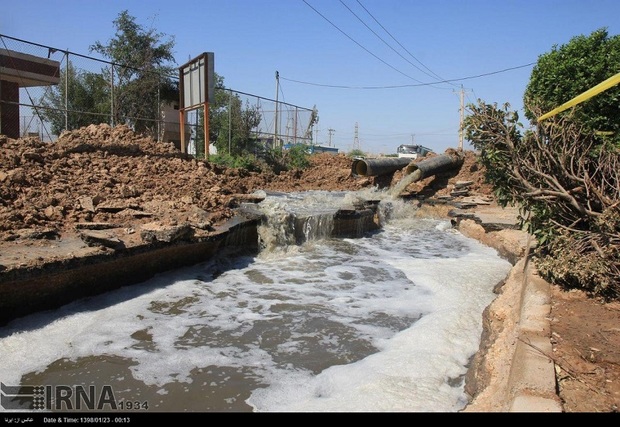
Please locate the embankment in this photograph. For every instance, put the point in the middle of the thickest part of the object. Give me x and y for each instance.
(511, 371)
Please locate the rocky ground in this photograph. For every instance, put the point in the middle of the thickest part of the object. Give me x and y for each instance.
(115, 179)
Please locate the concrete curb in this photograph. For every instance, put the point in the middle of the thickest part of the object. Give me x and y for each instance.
(532, 378)
(513, 371)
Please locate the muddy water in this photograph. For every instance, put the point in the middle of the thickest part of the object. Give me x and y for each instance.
(386, 322)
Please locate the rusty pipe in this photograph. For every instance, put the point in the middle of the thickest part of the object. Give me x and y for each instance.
(434, 165)
(380, 166)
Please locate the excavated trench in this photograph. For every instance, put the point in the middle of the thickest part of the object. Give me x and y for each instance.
(52, 283)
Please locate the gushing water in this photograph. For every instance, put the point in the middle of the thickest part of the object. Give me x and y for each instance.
(400, 186)
(385, 322)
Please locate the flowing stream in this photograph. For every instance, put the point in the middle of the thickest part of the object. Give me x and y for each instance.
(385, 322)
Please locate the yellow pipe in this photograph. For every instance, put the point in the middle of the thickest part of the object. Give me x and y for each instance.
(612, 81)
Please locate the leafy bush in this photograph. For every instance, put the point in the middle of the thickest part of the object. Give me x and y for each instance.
(356, 153)
(297, 157)
(247, 161)
(274, 161)
(566, 182)
(569, 70)
(564, 173)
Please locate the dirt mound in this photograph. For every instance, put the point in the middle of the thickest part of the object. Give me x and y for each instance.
(96, 172)
(326, 172)
(101, 174)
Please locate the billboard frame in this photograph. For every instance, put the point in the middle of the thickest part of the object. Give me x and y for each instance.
(196, 90)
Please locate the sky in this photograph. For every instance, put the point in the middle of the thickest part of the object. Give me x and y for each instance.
(380, 72)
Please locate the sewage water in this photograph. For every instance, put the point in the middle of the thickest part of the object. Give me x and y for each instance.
(385, 322)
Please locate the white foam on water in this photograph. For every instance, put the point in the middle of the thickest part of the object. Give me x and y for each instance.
(387, 322)
(416, 367)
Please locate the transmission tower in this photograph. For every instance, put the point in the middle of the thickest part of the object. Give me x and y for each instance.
(356, 138)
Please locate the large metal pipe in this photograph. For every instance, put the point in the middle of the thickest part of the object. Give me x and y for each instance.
(434, 165)
(429, 167)
(376, 167)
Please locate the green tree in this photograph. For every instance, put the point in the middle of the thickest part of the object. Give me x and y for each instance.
(237, 123)
(87, 98)
(218, 114)
(561, 172)
(571, 69)
(568, 198)
(231, 125)
(143, 70)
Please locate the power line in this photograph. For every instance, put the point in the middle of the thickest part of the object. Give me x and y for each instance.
(411, 85)
(471, 101)
(357, 43)
(386, 43)
(403, 47)
(281, 92)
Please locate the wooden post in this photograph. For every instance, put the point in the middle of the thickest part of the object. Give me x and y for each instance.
(182, 124)
(206, 129)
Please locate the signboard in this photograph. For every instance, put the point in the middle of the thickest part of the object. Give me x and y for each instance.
(197, 81)
(196, 90)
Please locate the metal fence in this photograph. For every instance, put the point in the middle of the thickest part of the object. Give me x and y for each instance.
(33, 107)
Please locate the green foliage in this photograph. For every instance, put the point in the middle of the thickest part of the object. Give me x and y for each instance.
(356, 153)
(268, 161)
(273, 160)
(87, 95)
(297, 157)
(231, 125)
(143, 74)
(571, 69)
(492, 131)
(247, 162)
(569, 198)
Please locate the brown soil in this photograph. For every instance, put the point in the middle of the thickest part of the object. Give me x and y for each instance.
(111, 176)
(585, 334)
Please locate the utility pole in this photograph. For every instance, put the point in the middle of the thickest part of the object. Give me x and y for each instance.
(356, 138)
(462, 113)
(229, 119)
(295, 127)
(462, 110)
(275, 131)
(331, 131)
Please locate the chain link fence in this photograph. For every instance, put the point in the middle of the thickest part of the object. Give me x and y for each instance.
(87, 89)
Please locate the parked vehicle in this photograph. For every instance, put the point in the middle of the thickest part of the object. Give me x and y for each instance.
(412, 151)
